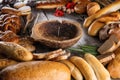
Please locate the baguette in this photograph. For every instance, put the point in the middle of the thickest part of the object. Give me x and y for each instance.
(74, 70)
(36, 70)
(84, 67)
(99, 69)
(15, 51)
(108, 9)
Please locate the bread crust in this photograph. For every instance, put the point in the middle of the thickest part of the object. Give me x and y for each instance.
(36, 70)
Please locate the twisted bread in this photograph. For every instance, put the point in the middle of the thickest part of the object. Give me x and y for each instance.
(10, 22)
(92, 8)
(9, 36)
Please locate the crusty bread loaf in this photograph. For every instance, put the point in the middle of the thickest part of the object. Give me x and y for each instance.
(36, 70)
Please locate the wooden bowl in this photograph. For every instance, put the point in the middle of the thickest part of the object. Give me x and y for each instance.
(56, 34)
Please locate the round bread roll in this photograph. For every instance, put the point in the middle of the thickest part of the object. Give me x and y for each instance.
(36, 70)
(92, 8)
(81, 7)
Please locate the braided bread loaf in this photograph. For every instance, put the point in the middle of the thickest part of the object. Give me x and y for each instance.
(10, 22)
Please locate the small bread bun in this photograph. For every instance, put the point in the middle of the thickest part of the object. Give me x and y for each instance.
(81, 7)
(19, 5)
(25, 10)
(92, 8)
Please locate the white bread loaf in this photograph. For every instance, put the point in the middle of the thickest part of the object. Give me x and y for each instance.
(36, 70)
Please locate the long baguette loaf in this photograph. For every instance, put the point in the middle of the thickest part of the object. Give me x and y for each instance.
(110, 8)
(74, 70)
(100, 71)
(84, 67)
